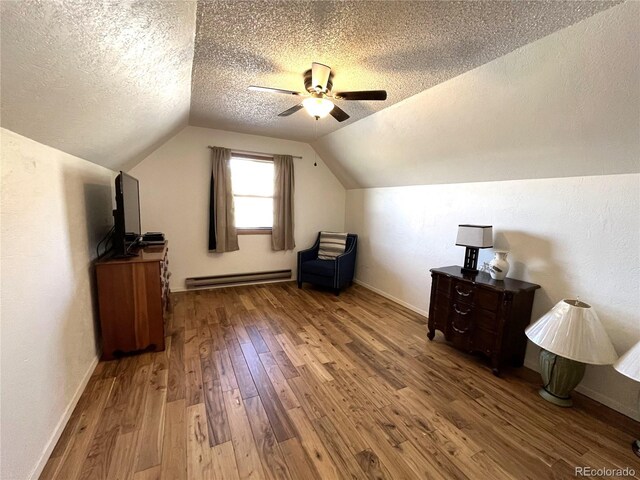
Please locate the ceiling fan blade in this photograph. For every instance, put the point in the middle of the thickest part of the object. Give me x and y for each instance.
(291, 110)
(339, 114)
(255, 88)
(320, 75)
(362, 95)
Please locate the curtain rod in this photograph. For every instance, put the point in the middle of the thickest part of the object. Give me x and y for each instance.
(249, 152)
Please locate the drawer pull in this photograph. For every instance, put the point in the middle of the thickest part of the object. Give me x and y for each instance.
(460, 292)
(459, 312)
(459, 330)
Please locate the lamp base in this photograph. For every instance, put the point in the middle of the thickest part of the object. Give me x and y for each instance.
(560, 376)
(470, 261)
(635, 446)
(550, 397)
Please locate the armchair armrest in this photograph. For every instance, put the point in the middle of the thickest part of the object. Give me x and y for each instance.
(345, 266)
(349, 254)
(306, 255)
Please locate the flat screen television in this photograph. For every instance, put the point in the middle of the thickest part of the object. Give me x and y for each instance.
(126, 214)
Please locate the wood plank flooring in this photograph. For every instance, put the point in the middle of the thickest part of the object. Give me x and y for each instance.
(272, 382)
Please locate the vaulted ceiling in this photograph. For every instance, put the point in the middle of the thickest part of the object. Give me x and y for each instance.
(402, 47)
(110, 81)
(105, 81)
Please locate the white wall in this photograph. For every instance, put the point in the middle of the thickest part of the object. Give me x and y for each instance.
(174, 190)
(573, 236)
(55, 207)
(557, 122)
(563, 106)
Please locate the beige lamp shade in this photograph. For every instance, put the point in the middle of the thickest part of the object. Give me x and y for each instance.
(476, 236)
(629, 363)
(572, 330)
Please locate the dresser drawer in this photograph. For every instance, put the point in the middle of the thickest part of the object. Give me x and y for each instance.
(484, 341)
(461, 318)
(443, 284)
(487, 299)
(463, 292)
(460, 326)
(486, 320)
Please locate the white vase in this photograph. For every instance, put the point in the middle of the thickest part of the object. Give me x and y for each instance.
(498, 266)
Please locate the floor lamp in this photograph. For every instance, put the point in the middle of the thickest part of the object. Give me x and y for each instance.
(629, 366)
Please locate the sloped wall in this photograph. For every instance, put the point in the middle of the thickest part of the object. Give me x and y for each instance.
(105, 81)
(543, 144)
(563, 106)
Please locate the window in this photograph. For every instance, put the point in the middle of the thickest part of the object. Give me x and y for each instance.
(252, 186)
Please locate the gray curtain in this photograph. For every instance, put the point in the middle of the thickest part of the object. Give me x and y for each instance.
(223, 236)
(282, 237)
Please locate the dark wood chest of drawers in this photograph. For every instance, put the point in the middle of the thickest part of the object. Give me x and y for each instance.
(133, 296)
(479, 314)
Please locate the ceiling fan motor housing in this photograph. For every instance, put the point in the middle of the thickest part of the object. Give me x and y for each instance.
(308, 83)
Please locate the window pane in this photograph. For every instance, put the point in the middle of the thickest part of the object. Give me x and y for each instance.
(252, 212)
(249, 177)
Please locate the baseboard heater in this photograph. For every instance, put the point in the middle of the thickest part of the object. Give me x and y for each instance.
(235, 278)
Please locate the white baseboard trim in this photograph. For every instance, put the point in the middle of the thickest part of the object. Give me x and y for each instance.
(609, 402)
(630, 412)
(35, 474)
(214, 287)
(391, 297)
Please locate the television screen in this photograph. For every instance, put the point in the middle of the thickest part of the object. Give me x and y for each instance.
(130, 205)
(127, 215)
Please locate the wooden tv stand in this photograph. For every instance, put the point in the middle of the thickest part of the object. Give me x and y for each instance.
(133, 296)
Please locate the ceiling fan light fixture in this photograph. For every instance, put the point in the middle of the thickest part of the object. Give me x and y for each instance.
(317, 106)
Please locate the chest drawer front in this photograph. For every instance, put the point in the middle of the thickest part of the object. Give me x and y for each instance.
(484, 341)
(461, 318)
(486, 320)
(487, 299)
(460, 326)
(463, 292)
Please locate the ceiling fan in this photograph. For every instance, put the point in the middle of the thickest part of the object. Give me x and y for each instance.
(318, 82)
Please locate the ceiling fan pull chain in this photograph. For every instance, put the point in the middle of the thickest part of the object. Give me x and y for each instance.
(315, 137)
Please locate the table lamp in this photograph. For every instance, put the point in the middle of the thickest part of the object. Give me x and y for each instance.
(571, 336)
(629, 366)
(473, 237)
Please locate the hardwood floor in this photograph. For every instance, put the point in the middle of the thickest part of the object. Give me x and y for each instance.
(274, 382)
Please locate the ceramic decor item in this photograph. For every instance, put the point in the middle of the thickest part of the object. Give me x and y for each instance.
(498, 267)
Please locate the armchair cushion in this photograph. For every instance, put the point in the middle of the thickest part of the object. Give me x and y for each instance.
(332, 244)
(323, 268)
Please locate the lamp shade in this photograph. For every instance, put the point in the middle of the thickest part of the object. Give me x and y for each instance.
(629, 363)
(477, 236)
(572, 330)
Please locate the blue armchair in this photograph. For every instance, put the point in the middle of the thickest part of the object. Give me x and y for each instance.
(334, 274)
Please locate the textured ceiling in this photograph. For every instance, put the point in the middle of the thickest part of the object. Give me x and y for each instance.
(403, 47)
(109, 81)
(565, 105)
(105, 81)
